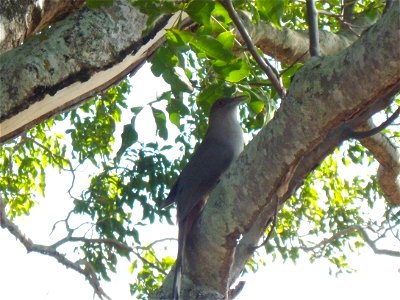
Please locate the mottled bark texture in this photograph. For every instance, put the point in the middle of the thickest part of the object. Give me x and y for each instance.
(20, 19)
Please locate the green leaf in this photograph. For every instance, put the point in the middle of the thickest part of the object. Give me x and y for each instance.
(372, 14)
(271, 10)
(154, 9)
(239, 74)
(175, 119)
(227, 40)
(129, 136)
(179, 37)
(176, 110)
(200, 11)
(163, 59)
(221, 13)
(257, 106)
(234, 71)
(211, 47)
(212, 92)
(177, 80)
(160, 119)
(136, 110)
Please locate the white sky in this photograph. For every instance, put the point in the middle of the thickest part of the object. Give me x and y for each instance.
(35, 277)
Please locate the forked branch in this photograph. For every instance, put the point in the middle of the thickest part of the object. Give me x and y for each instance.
(351, 229)
(86, 270)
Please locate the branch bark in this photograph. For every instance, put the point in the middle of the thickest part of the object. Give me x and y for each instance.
(321, 104)
(21, 19)
(290, 46)
(388, 157)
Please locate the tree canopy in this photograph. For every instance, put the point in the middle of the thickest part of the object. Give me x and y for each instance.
(320, 173)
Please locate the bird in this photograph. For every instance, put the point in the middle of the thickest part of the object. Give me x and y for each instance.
(221, 145)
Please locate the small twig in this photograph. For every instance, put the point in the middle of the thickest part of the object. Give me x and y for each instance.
(396, 218)
(116, 244)
(368, 133)
(325, 242)
(63, 221)
(156, 242)
(349, 230)
(371, 243)
(313, 32)
(225, 29)
(264, 65)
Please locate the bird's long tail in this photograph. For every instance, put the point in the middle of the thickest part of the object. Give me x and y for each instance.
(183, 228)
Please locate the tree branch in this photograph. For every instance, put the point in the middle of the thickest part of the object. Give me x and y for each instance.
(289, 46)
(85, 73)
(375, 130)
(350, 230)
(87, 271)
(388, 156)
(313, 32)
(264, 65)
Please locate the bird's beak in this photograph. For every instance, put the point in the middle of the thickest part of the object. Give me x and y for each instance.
(239, 99)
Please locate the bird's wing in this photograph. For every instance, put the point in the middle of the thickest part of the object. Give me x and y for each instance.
(200, 176)
(172, 195)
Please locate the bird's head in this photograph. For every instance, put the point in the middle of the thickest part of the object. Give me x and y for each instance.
(225, 106)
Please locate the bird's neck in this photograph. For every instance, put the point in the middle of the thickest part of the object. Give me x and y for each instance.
(225, 129)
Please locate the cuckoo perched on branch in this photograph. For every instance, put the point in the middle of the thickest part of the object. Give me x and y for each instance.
(221, 145)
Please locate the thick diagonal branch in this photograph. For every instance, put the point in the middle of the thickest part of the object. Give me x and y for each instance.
(290, 46)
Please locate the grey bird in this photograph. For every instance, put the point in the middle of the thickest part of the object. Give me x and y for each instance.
(221, 145)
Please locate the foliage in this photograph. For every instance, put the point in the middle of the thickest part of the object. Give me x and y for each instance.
(129, 182)
(152, 272)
